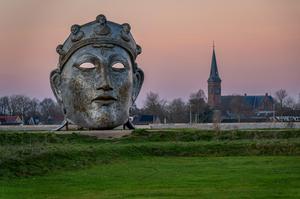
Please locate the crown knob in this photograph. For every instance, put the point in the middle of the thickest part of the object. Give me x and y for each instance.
(59, 50)
(102, 28)
(125, 32)
(101, 19)
(77, 34)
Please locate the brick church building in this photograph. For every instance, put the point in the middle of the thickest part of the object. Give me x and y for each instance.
(244, 107)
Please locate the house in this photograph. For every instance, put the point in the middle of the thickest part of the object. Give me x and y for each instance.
(10, 120)
(33, 121)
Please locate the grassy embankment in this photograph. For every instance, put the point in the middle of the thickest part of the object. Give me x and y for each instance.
(172, 163)
(26, 154)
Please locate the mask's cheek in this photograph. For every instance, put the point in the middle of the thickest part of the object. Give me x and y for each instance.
(80, 95)
(125, 92)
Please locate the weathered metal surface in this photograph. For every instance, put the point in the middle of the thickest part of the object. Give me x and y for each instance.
(98, 95)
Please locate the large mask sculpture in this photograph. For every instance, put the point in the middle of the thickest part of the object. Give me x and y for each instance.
(97, 79)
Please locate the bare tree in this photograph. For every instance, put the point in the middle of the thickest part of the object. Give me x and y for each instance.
(34, 108)
(50, 110)
(178, 111)
(154, 105)
(5, 108)
(20, 105)
(290, 103)
(200, 94)
(280, 96)
(297, 107)
(197, 104)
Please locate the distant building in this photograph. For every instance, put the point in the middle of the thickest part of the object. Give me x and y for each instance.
(33, 121)
(288, 116)
(10, 120)
(244, 107)
(257, 103)
(145, 119)
(214, 84)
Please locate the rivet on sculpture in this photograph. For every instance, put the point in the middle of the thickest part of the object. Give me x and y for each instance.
(97, 79)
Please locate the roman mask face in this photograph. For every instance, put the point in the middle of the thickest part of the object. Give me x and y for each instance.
(97, 80)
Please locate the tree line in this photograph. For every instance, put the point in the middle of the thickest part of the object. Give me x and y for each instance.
(46, 111)
(195, 109)
(177, 110)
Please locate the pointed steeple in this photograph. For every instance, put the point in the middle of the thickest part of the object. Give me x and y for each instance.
(214, 74)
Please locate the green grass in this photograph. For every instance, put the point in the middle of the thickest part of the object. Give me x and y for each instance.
(27, 154)
(174, 163)
(167, 177)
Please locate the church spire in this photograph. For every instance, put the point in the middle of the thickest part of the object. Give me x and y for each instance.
(214, 83)
(214, 74)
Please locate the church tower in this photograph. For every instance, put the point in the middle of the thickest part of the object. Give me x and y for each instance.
(214, 84)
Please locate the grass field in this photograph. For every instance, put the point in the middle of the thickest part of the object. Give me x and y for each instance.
(151, 164)
(168, 177)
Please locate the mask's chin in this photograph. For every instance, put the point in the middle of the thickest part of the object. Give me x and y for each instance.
(104, 123)
(104, 117)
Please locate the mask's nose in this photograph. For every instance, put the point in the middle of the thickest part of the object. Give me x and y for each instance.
(103, 80)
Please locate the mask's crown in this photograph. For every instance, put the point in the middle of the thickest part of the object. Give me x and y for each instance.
(99, 31)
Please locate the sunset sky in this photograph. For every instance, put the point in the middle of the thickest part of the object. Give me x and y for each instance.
(257, 43)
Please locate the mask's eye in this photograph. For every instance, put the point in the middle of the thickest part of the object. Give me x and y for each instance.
(87, 65)
(118, 66)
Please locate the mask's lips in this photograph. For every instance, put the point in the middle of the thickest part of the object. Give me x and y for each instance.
(105, 98)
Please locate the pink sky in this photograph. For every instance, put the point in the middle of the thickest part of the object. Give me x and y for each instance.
(257, 43)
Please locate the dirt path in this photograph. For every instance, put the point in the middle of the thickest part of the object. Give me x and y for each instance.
(103, 134)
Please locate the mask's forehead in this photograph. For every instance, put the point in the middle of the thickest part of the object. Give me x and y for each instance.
(102, 53)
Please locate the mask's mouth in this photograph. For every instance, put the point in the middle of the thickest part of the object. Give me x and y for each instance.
(104, 99)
